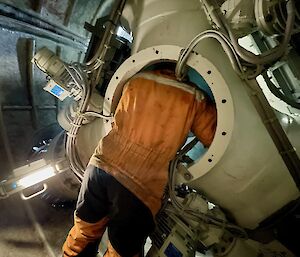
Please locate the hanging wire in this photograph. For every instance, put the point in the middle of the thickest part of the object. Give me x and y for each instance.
(189, 214)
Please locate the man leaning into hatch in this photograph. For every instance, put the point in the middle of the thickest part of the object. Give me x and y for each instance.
(124, 182)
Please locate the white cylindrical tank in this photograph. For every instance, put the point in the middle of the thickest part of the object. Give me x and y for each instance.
(250, 180)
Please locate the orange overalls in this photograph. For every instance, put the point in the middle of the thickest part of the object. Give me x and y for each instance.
(151, 122)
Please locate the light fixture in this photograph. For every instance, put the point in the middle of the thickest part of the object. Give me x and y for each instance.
(36, 177)
(27, 176)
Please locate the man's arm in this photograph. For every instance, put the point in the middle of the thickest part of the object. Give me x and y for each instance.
(205, 122)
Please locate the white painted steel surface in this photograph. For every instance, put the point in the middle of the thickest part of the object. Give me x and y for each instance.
(251, 179)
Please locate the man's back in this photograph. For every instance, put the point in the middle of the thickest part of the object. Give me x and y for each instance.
(152, 120)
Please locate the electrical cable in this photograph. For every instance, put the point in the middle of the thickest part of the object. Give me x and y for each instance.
(78, 76)
(275, 91)
(97, 114)
(214, 13)
(273, 54)
(189, 213)
(82, 82)
(234, 52)
(114, 17)
(77, 73)
(222, 39)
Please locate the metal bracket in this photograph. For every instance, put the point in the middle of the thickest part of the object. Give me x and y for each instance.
(184, 171)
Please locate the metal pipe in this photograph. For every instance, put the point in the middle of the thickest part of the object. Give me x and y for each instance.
(69, 11)
(109, 31)
(279, 137)
(37, 20)
(212, 8)
(26, 107)
(57, 102)
(4, 139)
(105, 43)
(30, 47)
(14, 19)
(273, 54)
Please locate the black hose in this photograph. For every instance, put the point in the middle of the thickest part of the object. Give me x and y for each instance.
(275, 91)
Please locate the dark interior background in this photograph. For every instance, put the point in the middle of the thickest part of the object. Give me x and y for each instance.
(27, 112)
